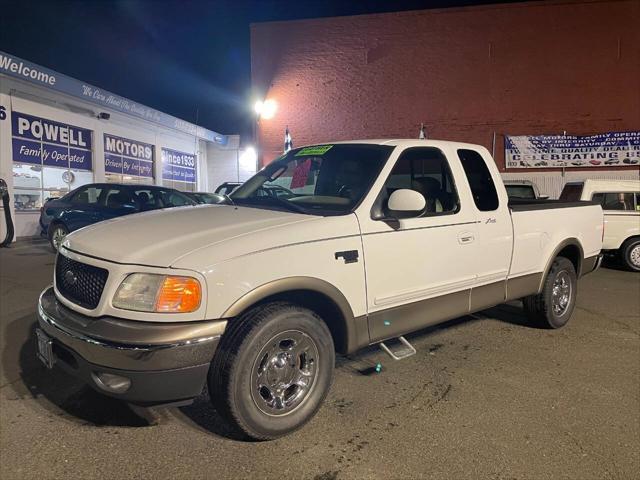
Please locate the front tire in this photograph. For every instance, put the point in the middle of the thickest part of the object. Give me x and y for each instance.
(553, 306)
(57, 233)
(630, 253)
(272, 370)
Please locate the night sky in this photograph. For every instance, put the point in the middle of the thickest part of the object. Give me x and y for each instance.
(187, 58)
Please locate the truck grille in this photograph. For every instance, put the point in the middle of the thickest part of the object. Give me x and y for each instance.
(80, 283)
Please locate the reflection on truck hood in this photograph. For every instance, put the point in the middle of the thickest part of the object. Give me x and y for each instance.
(161, 237)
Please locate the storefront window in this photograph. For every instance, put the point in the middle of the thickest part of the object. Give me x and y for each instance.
(179, 170)
(128, 161)
(49, 159)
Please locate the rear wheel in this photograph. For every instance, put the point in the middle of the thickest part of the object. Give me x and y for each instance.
(57, 233)
(553, 306)
(630, 253)
(272, 370)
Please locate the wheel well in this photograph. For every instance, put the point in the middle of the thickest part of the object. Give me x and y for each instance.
(323, 306)
(574, 255)
(630, 239)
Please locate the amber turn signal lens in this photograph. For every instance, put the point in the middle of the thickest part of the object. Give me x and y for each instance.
(179, 295)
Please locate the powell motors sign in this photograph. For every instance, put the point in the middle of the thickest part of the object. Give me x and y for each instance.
(40, 141)
(129, 157)
(30, 72)
(551, 151)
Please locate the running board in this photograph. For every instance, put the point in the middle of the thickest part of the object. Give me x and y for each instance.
(400, 353)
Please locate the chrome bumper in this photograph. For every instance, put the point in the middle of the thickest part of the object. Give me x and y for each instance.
(166, 361)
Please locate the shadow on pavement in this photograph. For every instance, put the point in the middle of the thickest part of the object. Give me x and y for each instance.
(55, 390)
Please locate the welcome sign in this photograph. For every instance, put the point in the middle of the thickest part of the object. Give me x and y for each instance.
(178, 166)
(40, 141)
(544, 151)
(30, 72)
(128, 157)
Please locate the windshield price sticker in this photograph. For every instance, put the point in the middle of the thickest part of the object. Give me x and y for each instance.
(315, 150)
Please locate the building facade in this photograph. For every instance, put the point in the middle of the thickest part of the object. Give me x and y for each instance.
(474, 74)
(57, 133)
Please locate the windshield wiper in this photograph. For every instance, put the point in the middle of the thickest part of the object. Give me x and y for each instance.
(256, 201)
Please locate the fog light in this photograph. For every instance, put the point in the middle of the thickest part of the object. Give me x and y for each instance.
(111, 383)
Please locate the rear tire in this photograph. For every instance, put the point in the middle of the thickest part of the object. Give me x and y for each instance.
(57, 232)
(630, 254)
(553, 306)
(272, 370)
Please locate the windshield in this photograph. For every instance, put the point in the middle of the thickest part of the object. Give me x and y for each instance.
(318, 180)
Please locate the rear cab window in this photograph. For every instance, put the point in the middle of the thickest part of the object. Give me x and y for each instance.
(481, 183)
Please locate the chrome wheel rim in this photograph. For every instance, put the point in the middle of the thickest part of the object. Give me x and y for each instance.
(561, 293)
(634, 256)
(284, 372)
(58, 237)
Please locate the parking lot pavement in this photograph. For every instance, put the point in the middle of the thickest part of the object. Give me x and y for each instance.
(485, 397)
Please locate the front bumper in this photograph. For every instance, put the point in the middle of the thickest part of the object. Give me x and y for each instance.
(164, 362)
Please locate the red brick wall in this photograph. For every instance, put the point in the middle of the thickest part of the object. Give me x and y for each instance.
(529, 68)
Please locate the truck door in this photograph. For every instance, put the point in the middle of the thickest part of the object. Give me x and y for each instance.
(420, 271)
(494, 238)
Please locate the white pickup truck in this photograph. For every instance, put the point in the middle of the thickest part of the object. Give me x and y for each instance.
(375, 239)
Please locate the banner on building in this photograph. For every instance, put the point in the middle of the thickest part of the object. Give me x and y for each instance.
(552, 151)
(40, 141)
(30, 72)
(178, 166)
(128, 157)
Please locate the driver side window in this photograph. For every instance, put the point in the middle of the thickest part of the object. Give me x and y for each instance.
(426, 171)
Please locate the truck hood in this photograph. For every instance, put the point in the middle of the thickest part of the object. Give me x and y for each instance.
(159, 238)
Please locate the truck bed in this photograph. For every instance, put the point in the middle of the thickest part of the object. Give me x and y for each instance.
(525, 205)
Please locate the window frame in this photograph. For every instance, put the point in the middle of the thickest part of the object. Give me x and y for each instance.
(378, 207)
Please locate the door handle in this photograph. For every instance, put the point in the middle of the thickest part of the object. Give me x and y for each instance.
(465, 238)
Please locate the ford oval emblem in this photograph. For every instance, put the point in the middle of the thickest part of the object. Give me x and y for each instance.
(70, 277)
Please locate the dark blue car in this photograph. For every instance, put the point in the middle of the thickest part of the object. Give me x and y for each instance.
(101, 201)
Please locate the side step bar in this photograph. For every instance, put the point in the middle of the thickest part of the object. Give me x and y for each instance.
(401, 352)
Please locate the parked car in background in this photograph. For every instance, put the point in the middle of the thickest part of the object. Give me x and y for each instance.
(620, 201)
(523, 189)
(206, 197)
(96, 202)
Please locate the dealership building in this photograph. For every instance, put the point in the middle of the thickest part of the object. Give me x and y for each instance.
(529, 81)
(57, 133)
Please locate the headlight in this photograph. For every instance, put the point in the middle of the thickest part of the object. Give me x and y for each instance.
(146, 292)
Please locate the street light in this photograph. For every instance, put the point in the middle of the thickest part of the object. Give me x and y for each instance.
(267, 109)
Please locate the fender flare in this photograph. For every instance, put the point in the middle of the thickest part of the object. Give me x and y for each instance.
(356, 331)
(569, 242)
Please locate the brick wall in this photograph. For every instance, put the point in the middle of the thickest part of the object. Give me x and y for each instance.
(529, 68)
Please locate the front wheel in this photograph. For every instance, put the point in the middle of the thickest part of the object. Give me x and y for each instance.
(553, 306)
(57, 233)
(630, 253)
(272, 370)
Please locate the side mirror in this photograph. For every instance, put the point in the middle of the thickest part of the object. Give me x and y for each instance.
(405, 203)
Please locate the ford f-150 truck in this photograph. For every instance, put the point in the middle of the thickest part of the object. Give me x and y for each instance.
(255, 296)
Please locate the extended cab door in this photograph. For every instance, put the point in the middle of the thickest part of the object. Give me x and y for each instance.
(419, 271)
(494, 234)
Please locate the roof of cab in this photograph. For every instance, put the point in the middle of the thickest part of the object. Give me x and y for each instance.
(404, 142)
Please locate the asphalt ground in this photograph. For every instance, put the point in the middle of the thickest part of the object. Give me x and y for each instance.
(486, 396)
